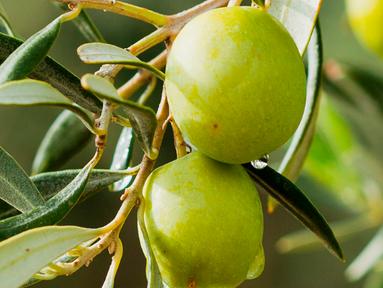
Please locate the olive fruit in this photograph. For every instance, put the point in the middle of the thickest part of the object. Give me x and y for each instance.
(366, 20)
(235, 83)
(204, 222)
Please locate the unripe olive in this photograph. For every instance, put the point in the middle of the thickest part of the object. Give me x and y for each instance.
(235, 83)
(366, 20)
(204, 222)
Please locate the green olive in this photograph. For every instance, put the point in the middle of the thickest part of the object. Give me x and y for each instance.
(236, 84)
(366, 20)
(204, 222)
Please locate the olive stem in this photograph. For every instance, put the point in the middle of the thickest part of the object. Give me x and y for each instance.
(179, 142)
(125, 9)
(148, 91)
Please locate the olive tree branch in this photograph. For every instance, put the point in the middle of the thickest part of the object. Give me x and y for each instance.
(125, 9)
(84, 254)
(132, 195)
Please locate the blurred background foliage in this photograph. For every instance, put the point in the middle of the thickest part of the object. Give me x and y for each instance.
(341, 176)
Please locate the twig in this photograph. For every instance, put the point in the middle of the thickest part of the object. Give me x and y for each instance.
(124, 9)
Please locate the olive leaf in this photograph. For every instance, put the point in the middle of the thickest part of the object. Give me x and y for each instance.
(102, 53)
(66, 136)
(367, 259)
(5, 25)
(26, 254)
(122, 157)
(50, 183)
(25, 58)
(153, 274)
(15, 186)
(142, 119)
(55, 74)
(299, 18)
(296, 202)
(33, 92)
(54, 210)
(84, 24)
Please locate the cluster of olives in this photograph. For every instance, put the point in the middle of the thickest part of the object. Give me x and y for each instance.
(236, 87)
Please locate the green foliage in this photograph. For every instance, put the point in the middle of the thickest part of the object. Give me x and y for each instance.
(33, 93)
(101, 53)
(25, 58)
(51, 212)
(293, 199)
(23, 256)
(50, 183)
(15, 187)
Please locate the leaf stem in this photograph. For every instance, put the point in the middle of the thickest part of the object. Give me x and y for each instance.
(179, 142)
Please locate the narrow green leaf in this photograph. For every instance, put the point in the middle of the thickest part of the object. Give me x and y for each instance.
(122, 157)
(50, 183)
(299, 18)
(102, 88)
(367, 259)
(153, 275)
(33, 93)
(85, 25)
(55, 74)
(54, 210)
(142, 119)
(15, 187)
(296, 202)
(26, 57)
(66, 136)
(6, 26)
(26, 254)
(296, 154)
(102, 53)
